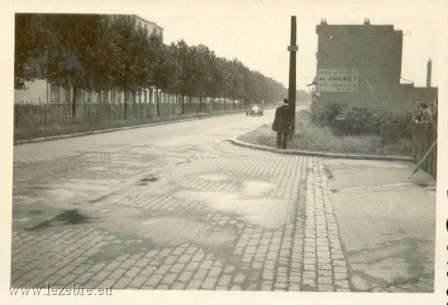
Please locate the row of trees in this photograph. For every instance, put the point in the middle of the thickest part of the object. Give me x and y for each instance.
(100, 52)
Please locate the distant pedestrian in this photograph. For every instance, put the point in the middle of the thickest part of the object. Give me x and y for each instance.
(282, 124)
(417, 113)
(427, 115)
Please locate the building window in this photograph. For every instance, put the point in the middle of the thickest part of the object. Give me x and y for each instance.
(63, 96)
(54, 93)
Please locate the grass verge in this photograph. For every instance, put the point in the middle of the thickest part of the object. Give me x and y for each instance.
(32, 132)
(311, 137)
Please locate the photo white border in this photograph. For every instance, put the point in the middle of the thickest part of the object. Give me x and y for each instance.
(439, 12)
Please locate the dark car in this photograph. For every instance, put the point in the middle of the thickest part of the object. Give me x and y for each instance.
(254, 110)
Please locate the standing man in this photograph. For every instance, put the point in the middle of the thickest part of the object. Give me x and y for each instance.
(282, 124)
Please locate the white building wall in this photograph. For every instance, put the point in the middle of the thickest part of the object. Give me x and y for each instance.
(36, 92)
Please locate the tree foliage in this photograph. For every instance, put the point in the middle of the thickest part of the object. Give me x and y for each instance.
(99, 52)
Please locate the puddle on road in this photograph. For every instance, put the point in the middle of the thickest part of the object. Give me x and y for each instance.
(266, 212)
(68, 192)
(257, 188)
(67, 217)
(149, 178)
(165, 230)
(71, 217)
(156, 185)
(72, 188)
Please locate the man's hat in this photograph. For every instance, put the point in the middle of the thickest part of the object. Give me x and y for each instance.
(285, 100)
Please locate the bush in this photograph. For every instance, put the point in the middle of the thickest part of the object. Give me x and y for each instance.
(324, 114)
(344, 120)
(394, 127)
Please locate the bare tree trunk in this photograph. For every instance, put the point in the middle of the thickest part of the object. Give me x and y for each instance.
(158, 102)
(134, 102)
(182, 110)
(99, 108)
(125, 103)
(74, 104)
(189, 104)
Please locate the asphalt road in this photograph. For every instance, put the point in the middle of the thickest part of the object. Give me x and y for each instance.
(67, 172)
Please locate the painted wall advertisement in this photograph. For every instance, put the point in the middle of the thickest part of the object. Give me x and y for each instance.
(337, 80)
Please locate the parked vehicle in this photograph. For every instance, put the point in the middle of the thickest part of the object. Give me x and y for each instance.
(255, 110)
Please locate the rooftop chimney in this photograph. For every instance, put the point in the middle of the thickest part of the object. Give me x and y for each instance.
(428, 73)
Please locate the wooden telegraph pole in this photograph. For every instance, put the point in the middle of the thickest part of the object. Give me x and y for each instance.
(293, 48)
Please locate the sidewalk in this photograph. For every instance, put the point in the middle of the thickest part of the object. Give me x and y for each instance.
(387, 222)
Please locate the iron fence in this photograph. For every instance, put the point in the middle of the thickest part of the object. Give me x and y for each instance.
(47, 114)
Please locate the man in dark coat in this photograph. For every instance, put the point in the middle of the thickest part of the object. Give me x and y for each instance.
(282, 124)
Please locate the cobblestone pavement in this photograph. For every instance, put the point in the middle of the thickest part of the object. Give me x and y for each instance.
(208, 217)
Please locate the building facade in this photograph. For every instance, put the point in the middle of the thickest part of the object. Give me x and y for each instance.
(361, 65)
(151, 27)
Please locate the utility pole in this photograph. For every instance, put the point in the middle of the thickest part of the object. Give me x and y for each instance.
(292, 48)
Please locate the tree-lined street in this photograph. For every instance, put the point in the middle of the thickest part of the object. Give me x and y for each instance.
(110, 52)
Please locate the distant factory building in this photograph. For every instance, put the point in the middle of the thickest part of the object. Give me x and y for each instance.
(361, 65)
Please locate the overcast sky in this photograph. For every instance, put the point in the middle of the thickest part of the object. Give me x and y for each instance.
(257, 32)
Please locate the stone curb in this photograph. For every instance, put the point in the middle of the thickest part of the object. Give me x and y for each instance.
(87, 133)
(237, 142)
